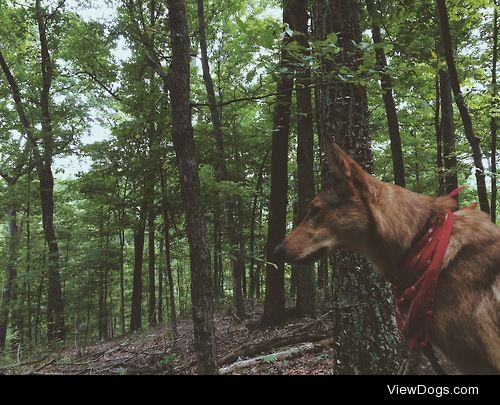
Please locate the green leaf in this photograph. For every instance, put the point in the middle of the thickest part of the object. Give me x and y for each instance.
(241, 24)
(332, 38)
(267, 39)
(270, 359)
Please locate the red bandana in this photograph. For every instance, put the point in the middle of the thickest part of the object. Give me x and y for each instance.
(416, 283)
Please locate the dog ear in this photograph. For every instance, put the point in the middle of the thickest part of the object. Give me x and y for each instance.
(337, 165)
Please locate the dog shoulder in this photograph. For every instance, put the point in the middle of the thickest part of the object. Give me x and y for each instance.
(472, 227)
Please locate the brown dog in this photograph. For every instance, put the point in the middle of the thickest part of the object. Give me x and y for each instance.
(381, 221)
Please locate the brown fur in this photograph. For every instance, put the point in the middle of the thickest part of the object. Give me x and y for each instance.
(359, 213)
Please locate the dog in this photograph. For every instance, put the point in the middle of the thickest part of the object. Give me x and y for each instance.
(359, 213)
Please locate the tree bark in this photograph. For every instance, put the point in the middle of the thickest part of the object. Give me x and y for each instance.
(152, 313)
(121, 233)
(241, 245)
(294, 268)
(447, 133)
(306, 282)
(388, 96)
(168, 261)
(364, 330)
(103, 334)
(28, 260)
(462, 107)
(182, 136)
(39, 305)
(161, 272)
(121, 236)
(439, 140)
(274, 301)
(139, 231)
(136, 308)
(222, 285)
(218, 293)
(55, 304)
(103, 315)
(323, 274)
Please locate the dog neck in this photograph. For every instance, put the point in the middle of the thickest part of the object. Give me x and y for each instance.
(399, 218)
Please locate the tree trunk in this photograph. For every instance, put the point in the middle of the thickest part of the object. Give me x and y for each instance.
(161, 271)
(102, 312)
(323, 263)
(17, 322)
(39, 305)
(136, 309)
(121, 235)
(180, 289)
(55, 305)
(241, 245)
(102, 315)
(168, 260)
(222, 285)
(439, 139)
(10, 276)
(387, 94)
(217, 269)
(221, 170)
(151, 267)
(323, 274)
(109, 312)
(139, 231)
(182, 136)
(294, 268)
(274, 301)
(258, 188)
(364, 329)
(89, 305)
(493, 122)
(462, 107)
(306, 283)
(447, 133)
(259, 271)
(28, 260)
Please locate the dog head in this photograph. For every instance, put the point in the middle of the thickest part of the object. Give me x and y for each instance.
(337, 217)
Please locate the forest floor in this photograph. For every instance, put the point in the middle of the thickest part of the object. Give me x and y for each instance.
(300, 346)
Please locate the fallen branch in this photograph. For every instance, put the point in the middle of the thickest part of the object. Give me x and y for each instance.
(48, 363)
(305, 348)
(310, 325)
(252, 349)
(24, 363)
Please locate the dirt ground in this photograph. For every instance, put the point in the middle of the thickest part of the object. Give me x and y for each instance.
(155, 351)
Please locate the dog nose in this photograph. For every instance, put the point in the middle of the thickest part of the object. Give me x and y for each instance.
(279, 252)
